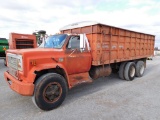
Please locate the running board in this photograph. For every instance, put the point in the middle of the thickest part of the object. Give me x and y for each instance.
(80, 78)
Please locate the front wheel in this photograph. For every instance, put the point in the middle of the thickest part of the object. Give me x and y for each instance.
(50, 91)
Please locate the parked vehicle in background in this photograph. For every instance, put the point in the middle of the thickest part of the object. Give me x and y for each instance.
(3, 47)
(90, 51)
(150, 58)
(22, 41)
(40, 36)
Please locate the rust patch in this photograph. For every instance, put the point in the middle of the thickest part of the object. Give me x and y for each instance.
(78, 77)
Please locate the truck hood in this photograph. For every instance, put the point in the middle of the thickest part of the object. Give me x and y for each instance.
(36, 52)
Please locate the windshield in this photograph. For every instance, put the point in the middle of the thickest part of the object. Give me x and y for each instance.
(54, 41)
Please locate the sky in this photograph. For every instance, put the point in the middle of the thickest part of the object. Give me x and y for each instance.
(26, 16)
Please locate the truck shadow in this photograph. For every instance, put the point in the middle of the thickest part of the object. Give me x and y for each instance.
(86, 89)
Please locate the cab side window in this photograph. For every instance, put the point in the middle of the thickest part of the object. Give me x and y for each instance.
(74, 42)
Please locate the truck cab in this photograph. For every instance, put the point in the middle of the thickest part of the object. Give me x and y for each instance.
(47, 72)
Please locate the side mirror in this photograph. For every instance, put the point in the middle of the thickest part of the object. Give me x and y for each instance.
(82, 42)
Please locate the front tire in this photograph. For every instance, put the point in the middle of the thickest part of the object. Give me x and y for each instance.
(50, 91)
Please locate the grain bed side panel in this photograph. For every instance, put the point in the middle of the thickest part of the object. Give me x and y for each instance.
(111, 44)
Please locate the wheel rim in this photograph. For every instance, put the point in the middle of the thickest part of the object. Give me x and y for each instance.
(141, 69)
(52, 92)
(132, 71)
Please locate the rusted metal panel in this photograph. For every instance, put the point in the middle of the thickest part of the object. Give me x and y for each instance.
(110, 44)
(22, 41)
(76, 79)
(96, 72)
(22, 88)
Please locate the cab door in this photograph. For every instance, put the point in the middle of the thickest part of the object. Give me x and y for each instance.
(77, 60)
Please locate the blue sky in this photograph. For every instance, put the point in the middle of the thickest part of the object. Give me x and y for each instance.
(26, 16)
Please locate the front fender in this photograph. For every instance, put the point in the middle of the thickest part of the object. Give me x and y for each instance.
(50, 66)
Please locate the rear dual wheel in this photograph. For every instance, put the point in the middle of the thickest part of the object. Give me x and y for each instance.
(121, 70)
(140, 68)
(129, 70)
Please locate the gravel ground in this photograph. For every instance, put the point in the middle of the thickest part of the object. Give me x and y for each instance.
(108, 98)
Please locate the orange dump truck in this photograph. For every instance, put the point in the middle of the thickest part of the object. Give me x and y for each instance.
(81, 53)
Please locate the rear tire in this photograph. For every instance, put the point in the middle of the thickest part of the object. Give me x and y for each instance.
(50, 91)
(140, 68)
(121, 70)
(130, 71)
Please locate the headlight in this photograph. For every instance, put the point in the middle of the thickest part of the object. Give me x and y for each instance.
(19, 63)
(15, 61)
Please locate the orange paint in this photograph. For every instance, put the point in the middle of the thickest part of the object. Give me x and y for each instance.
(108, 45)
(19, 41)
(22, 88)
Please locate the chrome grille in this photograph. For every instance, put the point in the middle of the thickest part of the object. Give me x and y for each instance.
(12, 62)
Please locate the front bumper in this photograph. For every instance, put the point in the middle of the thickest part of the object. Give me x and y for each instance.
(20, 87)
